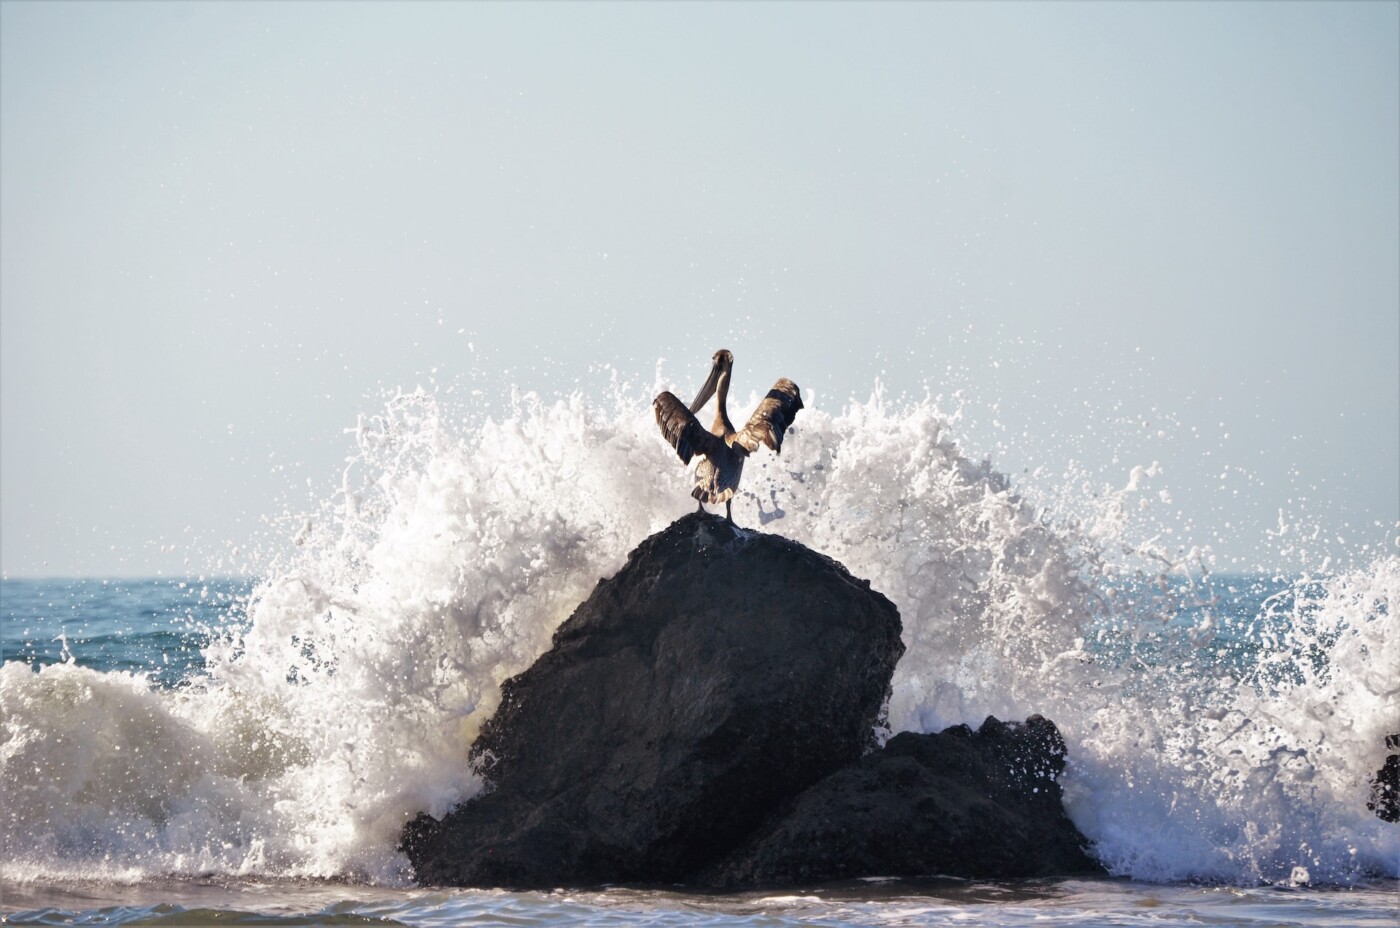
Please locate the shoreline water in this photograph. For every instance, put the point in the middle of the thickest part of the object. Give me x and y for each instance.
(933, 901)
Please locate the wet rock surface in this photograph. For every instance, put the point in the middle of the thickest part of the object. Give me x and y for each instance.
(708, 716)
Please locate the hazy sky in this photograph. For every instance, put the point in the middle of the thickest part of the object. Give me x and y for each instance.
(224, 228)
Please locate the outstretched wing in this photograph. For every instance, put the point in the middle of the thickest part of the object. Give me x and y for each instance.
(772, 418)
(680, 428)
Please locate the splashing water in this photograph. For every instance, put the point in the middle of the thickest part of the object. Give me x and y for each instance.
(375, 650)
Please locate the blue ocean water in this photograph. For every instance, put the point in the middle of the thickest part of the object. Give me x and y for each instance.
(154, 627)
(215, 750)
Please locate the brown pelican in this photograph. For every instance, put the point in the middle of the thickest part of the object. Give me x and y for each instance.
(723, 449)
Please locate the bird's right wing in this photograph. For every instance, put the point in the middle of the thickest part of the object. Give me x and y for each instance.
(680, 427)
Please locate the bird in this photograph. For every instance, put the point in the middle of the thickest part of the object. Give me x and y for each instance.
(722, 449)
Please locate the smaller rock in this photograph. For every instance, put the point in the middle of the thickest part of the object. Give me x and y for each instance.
(983, 805)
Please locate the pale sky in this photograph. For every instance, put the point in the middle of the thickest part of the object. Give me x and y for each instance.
(225, 228)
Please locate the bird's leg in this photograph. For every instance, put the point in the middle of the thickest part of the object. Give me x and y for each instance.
(728, 513)
(699, 506)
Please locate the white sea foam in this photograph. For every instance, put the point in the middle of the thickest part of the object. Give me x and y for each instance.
(450, 554)
(1254, 777)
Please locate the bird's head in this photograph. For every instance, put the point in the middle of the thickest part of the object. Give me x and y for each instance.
(721, 365)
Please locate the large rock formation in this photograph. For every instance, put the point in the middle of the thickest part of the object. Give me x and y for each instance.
(720, 672)
(984, 805)
(702, 718)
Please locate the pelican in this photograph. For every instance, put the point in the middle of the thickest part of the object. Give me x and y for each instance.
(723, 450)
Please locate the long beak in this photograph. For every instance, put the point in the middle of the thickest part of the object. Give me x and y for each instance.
(707, 391)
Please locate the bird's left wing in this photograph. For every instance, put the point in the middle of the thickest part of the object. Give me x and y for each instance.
(772, 417)
(680, 427)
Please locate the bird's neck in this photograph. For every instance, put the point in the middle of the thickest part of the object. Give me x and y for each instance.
(722, 424)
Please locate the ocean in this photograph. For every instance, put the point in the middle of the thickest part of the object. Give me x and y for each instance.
(213, 750)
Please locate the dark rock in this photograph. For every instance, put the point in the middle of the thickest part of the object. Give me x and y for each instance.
(1385, 785)
(719, 673)
(984, 805)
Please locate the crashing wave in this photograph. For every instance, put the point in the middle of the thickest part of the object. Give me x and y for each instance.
(374, 652)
